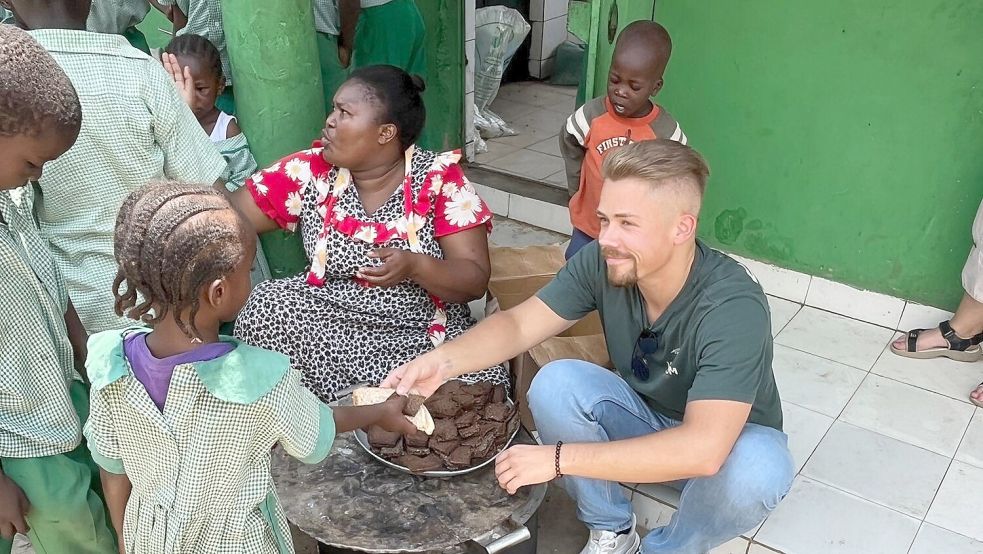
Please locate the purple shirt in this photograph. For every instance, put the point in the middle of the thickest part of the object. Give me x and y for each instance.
(155, 373)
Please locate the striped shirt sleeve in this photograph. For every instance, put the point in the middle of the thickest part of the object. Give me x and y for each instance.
(666, 126)
(573, 140)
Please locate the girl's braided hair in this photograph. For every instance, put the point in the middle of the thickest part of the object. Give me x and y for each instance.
(172, 239)
(199, 48)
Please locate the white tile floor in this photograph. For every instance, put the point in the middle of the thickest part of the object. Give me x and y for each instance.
(888, 451)
(536, 111)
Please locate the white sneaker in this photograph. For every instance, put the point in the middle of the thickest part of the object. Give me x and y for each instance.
(609, 542)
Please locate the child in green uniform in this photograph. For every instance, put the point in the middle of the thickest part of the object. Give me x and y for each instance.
(196, 67)
(46, 475)
(204, 18)
(333, 72)
(182, 419)
(383, 32)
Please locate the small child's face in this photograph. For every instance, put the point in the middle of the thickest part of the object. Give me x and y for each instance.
(632, 80)
(23, 156)
(207, 86)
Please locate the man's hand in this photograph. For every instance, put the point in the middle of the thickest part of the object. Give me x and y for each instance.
(181, 76)
(524, 465)
(392, 418)
(421, 376)
(13, 509)
(397, 266)
(344, 56)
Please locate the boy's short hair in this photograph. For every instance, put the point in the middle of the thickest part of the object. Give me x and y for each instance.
(649, 37)
(34, 90)
(658, 162)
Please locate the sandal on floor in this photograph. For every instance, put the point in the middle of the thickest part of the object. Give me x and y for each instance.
(959, 349)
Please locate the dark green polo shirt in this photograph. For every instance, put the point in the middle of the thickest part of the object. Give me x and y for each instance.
(714, 340)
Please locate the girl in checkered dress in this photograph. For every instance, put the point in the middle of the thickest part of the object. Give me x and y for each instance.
(182, 419)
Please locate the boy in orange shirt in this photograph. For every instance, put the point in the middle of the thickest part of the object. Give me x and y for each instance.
(625, 115)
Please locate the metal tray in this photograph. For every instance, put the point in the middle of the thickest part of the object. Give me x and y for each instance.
(363, 440)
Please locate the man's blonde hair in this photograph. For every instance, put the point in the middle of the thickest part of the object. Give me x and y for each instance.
(658, 162)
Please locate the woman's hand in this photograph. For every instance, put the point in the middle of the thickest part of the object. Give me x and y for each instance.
(397, 266)
(13, 509)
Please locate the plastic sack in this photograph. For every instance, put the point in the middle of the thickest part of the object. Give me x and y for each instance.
(499, 31)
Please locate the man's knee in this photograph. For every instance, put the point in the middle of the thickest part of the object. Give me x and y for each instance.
(561, 383)
(758, 473)
(543, 392)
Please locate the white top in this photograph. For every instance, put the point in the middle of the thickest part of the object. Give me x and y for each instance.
(221, 130)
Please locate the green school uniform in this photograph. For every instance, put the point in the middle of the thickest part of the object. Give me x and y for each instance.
(391, 32)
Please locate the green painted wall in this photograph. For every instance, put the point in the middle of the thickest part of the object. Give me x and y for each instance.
(845, 138)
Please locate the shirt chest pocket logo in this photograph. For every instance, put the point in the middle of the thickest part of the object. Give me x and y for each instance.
(671, 369)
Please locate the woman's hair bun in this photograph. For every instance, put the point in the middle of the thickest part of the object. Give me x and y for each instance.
(418, 83)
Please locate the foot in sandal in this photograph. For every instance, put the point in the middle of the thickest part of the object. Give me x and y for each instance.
(941, 342)
(976, 396)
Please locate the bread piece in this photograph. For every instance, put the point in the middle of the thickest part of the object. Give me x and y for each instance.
(395, 451)
(367, 396)
(414, 404)
(460, 457)
(497, 412)
(470, 431)
(466, 419)
(416, 464)
(443, 406)
(418, 439)
(379, 437)
(445, 429)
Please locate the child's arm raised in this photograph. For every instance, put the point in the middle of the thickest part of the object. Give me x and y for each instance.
(116, 488)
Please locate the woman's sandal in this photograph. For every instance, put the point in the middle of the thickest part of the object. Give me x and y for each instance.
(960, 349)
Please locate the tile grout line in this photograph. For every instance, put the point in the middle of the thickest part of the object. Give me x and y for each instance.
(944, 475)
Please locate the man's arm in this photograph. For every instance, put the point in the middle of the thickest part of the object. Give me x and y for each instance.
(696, 448)
(500, 337)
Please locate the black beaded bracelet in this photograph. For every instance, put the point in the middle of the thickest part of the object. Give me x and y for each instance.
(558, 474)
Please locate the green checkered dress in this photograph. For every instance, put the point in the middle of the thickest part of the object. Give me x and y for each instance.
(116, 16)
(36, 368)
(205, 19)
(241, 162)
(201, 468)
(135, 129)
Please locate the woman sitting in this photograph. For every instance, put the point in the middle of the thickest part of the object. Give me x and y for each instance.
(395, 235)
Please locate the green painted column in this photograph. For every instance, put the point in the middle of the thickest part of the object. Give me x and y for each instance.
(278, 93)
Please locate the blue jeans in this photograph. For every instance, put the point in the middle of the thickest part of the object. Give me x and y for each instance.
(578, 240)
(575, 401)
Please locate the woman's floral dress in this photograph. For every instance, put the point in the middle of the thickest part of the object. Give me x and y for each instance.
(337, 329)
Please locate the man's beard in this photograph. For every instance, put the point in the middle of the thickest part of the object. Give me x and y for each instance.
(628, 278)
